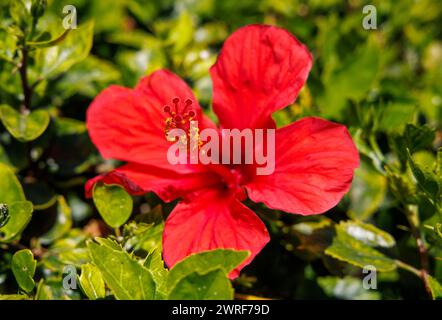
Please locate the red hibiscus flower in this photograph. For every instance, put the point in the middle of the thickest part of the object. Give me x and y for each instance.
(261, 69)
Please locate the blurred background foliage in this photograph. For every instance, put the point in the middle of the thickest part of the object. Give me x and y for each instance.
(384, 84)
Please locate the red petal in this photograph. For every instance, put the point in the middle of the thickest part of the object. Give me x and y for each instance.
(167, 184)
(260, 69)
(209, 222)
(113, 177)
(128, 125)
(314, 166)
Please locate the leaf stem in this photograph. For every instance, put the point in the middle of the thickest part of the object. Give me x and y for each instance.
(407, 267)
(413, 219)
(117, 232)
(27, 90)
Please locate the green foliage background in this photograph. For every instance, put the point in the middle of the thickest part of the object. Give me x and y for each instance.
(384, 84)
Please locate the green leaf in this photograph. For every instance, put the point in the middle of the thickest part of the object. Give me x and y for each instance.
(401, 186)
(418, 137)
(63, 223)
(124, 275)
(4, 214)
(24, 127)
(394, 116)
(347, 288)
(182, 33)
(20, 214)
(438, 168)
(13, 297)
(113, 203)
(87, 78)
(213, 285)
(74, 256)
(154, 262)
(44, 292)
(367, 233)
(348, 249)
(19, 210)
(352, 80)
(426, 179)
(367, 193)
(225, 259)
(23, 266)
(92, 282)
(57, 59)
(19, 13)
(143, 236)
(11, 189)
(436, 288)
(4, 158)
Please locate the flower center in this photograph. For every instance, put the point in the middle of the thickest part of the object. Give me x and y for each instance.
(179, 118)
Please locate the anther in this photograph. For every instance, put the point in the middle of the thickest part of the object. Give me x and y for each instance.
(167, 109)
(191, 114)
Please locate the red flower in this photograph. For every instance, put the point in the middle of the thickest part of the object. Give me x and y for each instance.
(261, 69)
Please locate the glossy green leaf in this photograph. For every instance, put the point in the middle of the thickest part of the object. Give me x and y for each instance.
(367, 193)
(75, 256)
(63, 223)
(352, 80)
(348, 249)
(44, 292)
(74, 48)
(23, 266)
(24, 126)
(438, 168)
(88, 78)
(419, 137)
(154, 262)
(225, 259)
(401, 186)
(12, 190)
(124, 275)
(147, 237)
(347, 288)
(212, 285)
(4, 214)
(92, 282)
(436, 289)
(13, 297)
(182, 34)
(394, 116)
(20, 213)
(425, 178)
(19, 13)
(367, 233)
(113, 203)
